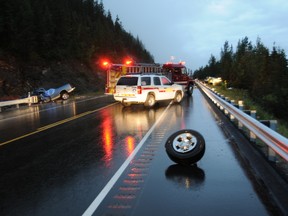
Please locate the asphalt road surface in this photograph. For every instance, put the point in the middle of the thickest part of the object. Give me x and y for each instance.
(94, 157)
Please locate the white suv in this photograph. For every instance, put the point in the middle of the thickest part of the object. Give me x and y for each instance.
(146, 89)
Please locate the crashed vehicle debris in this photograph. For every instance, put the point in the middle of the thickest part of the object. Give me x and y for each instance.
(53, 94)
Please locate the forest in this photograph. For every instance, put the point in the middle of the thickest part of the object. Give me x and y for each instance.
(38, 35)
(256, 69)
(35, 30)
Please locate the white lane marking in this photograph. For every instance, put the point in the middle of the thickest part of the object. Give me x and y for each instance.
(94, 205)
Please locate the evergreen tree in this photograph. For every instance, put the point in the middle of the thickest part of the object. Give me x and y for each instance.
(241, 73)
(261, 74)
(226, 61)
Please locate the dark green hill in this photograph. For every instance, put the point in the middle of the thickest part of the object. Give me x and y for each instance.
(48, 43)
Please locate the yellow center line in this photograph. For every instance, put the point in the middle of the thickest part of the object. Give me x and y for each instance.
(65, 120)
(55, 124)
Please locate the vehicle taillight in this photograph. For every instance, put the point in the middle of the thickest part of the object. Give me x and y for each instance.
(139, 90)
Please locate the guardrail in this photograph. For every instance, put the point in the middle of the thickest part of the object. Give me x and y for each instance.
(274, 140)
(29, 100)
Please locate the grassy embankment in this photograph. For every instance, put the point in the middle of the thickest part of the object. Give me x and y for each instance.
(249, 104)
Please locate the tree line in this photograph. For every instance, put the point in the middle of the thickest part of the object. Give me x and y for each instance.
(263, 73)
(45, 30)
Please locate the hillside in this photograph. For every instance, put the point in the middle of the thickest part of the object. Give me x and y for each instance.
(47, 44)
(17, 80)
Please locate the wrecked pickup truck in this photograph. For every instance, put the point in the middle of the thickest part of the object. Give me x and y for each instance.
(53, 94)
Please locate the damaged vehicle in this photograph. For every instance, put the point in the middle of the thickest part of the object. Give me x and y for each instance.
(53, 94)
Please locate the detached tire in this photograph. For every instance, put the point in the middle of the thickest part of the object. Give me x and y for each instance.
(185, 147)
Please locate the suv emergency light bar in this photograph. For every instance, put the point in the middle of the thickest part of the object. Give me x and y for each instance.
(138, 68)
(136, 65)
(143, 73)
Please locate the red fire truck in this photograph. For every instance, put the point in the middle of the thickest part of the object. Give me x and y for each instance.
(177, 73)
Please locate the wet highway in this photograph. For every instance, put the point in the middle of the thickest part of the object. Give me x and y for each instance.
(94, 157)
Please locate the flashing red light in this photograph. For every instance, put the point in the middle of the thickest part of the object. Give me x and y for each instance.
(128, 62)
(105, 63)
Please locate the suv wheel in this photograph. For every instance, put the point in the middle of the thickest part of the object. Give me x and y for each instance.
(150, 101)
(126, 104)
(178, 97)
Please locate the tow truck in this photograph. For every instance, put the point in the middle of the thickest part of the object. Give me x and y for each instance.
(176, 72)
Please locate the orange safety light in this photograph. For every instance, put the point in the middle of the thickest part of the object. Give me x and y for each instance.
(105, 64)
(128, 62)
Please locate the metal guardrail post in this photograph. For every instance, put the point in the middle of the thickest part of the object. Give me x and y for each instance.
(272, 156)
(32, 100)
(252, 113)
(232, 118)
(240, 107)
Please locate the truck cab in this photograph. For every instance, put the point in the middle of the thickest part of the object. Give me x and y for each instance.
(179, 74)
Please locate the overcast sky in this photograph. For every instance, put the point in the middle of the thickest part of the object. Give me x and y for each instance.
(193, 30)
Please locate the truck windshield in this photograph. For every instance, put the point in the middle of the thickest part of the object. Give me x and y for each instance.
(180, 70)
(184, 71)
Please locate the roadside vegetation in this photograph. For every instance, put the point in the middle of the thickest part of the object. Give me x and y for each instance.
(250, 104)
(261, 74)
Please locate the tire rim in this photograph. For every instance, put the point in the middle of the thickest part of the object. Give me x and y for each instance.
(151, 101)
(178, 97)
(65, 96)
(184, 143)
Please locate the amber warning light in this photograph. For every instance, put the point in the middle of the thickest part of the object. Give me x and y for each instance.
(105, 64)
(128, 62)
